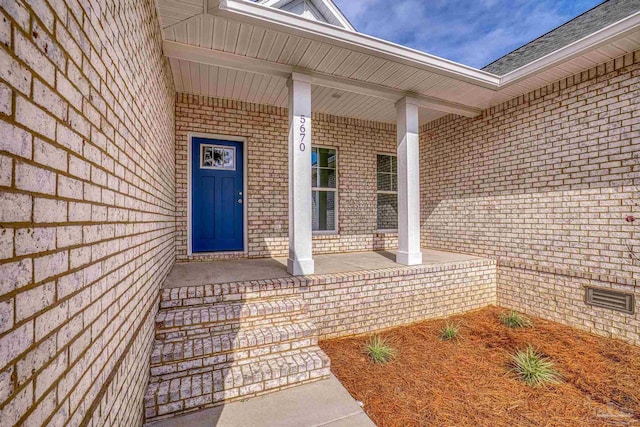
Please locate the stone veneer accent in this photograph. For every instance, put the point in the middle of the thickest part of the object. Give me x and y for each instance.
(266, 129)
(88, 199)
(543, 183)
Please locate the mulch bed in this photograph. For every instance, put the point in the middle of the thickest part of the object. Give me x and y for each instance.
(467, 382)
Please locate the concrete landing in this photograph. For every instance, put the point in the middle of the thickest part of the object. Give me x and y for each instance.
(237, 270)
(324, 403)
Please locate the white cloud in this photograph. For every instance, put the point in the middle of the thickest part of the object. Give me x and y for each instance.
(473, 32)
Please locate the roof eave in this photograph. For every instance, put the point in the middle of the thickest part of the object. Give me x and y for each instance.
(593, 41)
(291, 23)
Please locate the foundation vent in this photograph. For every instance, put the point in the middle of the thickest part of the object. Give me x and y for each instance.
(613, 300)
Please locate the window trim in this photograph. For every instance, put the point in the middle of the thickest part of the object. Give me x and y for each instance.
(385, 230)
(335, 191)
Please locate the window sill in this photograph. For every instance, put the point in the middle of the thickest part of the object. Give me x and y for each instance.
(387, 232)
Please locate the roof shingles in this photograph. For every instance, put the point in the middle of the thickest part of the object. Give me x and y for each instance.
(589, 22)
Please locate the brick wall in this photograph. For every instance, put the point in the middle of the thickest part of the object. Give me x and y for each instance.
(359, 302)
(87, 207)
(543, 184)
(266, 130)
(348, 303)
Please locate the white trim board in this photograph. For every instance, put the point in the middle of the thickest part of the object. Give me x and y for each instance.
(243, 140)
(206, 56)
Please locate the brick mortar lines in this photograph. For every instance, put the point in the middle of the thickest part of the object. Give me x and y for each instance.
(89, 328)
(522, 265)
(594, 81)
(148, 318)
(548, 295)
(542, 183)
(122, 151)
(118, 162)
(316, 289)
(566, 83)
(266, 129)
(71, 295)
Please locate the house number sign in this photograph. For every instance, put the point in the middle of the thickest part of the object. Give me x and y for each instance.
(303, 132)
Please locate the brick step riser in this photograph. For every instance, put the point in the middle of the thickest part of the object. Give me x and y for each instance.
(264, 368)
(233, 339)
(205, 301)
(213, 398)
(170, 352)
(167, 333)
(220, 360)
(168, 300)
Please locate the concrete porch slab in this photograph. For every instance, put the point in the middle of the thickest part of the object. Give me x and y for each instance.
(237, 270)
(324, 403)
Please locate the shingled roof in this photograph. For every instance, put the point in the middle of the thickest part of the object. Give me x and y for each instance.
(589, 22)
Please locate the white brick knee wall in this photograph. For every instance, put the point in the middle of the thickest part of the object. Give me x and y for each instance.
(87, 207)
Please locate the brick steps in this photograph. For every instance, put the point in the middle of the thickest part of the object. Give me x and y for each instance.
(240, 380)
(217, 343)
(220, 350)
(226, 292)
(179, 323)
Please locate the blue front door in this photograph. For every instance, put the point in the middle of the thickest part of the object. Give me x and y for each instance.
(217, 195)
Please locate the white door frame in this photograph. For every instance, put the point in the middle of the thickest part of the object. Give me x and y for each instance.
(245, 225)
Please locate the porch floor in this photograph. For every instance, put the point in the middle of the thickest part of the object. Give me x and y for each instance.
(224, 271)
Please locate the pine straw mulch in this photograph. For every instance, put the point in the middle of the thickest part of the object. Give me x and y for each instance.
(467, 383)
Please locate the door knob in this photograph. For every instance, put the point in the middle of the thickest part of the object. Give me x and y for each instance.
(240, 201)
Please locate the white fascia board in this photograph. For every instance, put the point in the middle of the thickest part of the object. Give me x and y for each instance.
(283, 21)
(206, 56)
(279, 20)
(593, 41)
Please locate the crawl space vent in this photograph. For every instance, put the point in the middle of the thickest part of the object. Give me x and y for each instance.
(613, 300)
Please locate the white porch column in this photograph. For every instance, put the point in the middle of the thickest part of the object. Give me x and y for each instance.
(300, 260)
(409, 252)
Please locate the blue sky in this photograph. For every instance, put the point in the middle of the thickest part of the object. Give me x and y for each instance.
(472, 32)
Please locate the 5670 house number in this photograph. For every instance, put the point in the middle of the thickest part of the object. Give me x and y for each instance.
(303, 131)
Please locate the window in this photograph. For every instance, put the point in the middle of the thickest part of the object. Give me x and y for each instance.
(324, 180)
(387, 192)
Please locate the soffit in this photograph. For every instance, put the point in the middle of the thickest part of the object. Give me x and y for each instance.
(391, 70)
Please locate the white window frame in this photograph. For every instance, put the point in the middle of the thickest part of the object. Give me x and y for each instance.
(385, 230)
(335, 191)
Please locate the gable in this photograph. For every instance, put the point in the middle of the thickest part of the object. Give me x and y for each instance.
(317, 10)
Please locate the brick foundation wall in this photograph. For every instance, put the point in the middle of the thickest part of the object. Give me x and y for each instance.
(357, 302)
(266, 130)
(543, 184)
(560, 297)
(87, 208)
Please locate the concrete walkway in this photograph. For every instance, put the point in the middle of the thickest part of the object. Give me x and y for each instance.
(324, 403)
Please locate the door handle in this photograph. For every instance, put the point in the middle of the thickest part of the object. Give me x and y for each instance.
(240, 201)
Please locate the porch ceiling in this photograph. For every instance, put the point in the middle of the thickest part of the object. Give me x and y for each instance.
(221, 82)
(245, 51)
